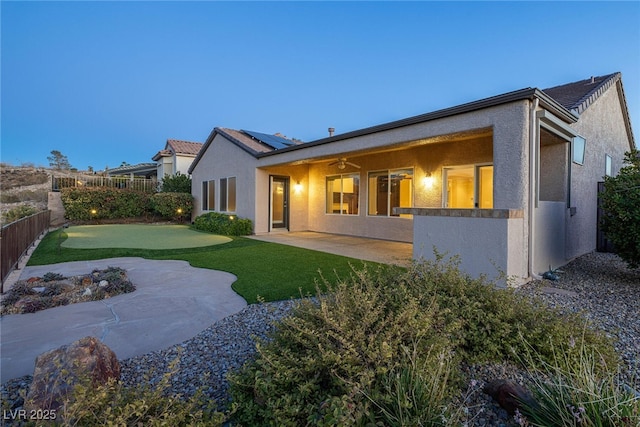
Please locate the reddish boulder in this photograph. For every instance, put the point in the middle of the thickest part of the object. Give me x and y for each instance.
(57, 371)
(509, 395)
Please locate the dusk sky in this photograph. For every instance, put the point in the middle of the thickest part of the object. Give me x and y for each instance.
(110, 82)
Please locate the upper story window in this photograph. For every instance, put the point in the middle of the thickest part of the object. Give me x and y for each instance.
(390, 189)
(228, 194)
(607, 165)
(343, 194)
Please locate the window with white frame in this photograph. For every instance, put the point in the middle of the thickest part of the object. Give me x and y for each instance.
(578, 148)
(390, 189)
(607, 165)
(209, 195)
(343, 194)
(228, 194)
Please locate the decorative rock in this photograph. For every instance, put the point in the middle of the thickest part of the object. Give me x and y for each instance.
(86, 281)
(86, 293)
(33, 279)
(28, 305)
(57, 371)
(508, 395)
(39, 289)
(103, 283)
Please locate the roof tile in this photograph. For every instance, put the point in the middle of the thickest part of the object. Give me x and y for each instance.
(577, 96)
(184, 147)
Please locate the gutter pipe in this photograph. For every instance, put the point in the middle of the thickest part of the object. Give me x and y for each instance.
(533, 172)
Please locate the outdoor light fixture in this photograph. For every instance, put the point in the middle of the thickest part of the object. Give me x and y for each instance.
(427, 181)
(94, 211)
(179, 211)
(297, 187)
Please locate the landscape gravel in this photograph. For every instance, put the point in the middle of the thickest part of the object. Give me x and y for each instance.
(598, 285)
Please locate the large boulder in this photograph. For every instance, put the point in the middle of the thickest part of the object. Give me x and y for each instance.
(57, 371)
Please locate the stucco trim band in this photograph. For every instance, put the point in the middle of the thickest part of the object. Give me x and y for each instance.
(465, 213)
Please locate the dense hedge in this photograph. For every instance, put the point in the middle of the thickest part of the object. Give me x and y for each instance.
(89, 203)
(169, 205)
(219, 223)
(621, 203)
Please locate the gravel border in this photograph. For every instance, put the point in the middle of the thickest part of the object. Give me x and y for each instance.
(598, 285)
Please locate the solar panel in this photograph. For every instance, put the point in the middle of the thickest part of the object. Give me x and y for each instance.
(276, 142)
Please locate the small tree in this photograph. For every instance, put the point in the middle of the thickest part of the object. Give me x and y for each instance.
(176, 184)
(621, 204)
(59, 161)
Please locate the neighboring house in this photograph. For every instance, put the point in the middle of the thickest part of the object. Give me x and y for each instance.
(176, 157)
(509, 182)
(141, 170)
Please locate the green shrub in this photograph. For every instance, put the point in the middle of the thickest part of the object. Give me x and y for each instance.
(113, 404)
(490, 320)
(330, 361)
(89, 203)
(224, 224)
(177, 183)
(621, 205)
(384, 347)
(19, 212)
(172, 205)
(581, 394)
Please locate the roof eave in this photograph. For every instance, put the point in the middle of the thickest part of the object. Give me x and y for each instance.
(625, 114)
(522, 94)
(214, 132)
(204, 148)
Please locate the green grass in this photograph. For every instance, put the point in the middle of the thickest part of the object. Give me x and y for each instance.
(265, 270)
(141, 236)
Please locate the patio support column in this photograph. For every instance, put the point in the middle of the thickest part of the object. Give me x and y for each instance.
(511, 158)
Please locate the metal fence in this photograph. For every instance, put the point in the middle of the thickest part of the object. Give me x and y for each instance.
(16, 238)
(139, 184)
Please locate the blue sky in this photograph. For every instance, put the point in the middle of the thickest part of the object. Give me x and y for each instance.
(110, 82)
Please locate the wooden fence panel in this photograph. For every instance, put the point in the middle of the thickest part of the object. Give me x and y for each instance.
(16, 238)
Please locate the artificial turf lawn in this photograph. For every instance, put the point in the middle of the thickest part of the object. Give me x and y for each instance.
(139, 236)
(266, 271)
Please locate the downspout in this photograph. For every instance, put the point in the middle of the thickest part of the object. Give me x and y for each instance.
(533, 172)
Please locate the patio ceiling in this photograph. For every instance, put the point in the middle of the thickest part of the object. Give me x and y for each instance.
(398, 146)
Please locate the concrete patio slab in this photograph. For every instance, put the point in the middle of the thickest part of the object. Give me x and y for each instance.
(172, 303)
(376, 250)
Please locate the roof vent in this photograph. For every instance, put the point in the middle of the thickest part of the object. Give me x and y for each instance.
(593, 80)
(331, 131)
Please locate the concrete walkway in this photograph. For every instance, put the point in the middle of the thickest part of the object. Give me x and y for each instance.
(172, 303)
(383, 251)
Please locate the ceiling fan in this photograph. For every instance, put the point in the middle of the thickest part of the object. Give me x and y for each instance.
(342, 163)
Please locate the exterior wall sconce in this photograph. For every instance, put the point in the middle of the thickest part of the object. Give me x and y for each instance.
(297, 187)
(427, 181)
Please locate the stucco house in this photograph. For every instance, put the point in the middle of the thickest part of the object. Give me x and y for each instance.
(508, 182)
(176, 157)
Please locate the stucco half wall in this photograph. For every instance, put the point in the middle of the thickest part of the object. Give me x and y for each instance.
(489, 242)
